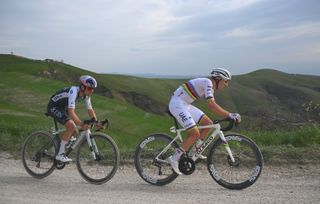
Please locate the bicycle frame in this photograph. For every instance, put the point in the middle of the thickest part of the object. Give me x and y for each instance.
(81, 134)
(204, 145)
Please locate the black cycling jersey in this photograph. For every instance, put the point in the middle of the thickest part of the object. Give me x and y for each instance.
(62, 100)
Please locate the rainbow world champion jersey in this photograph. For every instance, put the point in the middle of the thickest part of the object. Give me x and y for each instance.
(195, 89)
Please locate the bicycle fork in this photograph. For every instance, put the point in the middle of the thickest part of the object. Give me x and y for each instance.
(92, 145)
(207, 142)
(226, 145)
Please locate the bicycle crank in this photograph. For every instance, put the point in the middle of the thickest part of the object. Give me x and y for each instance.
(186, 165)
(59, 165)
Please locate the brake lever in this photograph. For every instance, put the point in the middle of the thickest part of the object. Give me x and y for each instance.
(105, 122)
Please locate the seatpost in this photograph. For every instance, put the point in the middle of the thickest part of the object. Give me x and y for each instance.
(55, 124)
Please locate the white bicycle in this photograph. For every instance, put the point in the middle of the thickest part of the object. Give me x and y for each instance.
(234, 161)
(97, 155)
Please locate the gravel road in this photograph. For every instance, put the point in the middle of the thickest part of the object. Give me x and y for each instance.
(290, 184)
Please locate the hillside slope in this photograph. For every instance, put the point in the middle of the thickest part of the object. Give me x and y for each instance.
(267, 99)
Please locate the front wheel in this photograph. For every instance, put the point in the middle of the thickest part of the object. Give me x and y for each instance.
(241, 173)
(38, 153)
(104, 166)
(150, 164)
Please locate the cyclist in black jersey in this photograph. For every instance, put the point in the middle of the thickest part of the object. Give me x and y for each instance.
(62, 105)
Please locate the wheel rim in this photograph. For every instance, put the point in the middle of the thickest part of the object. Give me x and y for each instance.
(104, 167)
(38, 154)
(151, 170)
(247, 165)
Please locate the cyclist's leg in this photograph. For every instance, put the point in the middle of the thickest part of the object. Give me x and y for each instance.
(200, 135)
(180, 110)
(193, 135)
(62, 117)
(184, 113)
(204, 120)
(70, 129)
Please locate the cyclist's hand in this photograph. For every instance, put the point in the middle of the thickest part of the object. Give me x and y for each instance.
(235, 116)
(85, 126)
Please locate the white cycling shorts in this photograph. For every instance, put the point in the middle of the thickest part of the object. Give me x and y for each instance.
(186, 114)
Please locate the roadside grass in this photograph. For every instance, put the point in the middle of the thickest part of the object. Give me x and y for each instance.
(284, 155)
(303, 136)
(299, 146)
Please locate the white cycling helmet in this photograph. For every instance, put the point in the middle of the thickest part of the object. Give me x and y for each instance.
(221, 73)
(89, 81)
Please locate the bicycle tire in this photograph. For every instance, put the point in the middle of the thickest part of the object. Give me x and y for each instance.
(241, 174)
(103, 169)
(151, 171)
(38, 153)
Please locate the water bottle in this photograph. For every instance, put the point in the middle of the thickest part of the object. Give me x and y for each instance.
(71, 142)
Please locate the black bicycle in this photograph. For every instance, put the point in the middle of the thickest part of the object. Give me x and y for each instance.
(234, 161)
(97, 155)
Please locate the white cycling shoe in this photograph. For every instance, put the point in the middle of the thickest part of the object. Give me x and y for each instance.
(63, 158)
(174, 164)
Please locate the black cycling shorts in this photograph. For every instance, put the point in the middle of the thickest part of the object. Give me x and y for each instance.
(58, 113)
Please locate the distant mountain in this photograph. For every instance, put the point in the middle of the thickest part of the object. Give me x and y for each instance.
(265, 98)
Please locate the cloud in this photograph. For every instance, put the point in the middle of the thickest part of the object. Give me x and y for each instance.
(162, 35)
(276, 35)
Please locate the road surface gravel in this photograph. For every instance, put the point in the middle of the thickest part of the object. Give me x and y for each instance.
(285, 184)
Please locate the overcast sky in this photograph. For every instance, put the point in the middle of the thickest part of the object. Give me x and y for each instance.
(166, 37)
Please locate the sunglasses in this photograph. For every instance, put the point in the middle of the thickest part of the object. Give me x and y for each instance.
(89, 88)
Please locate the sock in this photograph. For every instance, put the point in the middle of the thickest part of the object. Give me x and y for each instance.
(62, 145)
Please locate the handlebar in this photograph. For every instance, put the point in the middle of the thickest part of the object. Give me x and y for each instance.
(230, 124)
(92, 121)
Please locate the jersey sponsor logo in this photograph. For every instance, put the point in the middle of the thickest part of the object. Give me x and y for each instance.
(183, 117)
(59, 96)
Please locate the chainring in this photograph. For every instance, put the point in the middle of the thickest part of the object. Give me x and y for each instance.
(59, 165)
(186, 165)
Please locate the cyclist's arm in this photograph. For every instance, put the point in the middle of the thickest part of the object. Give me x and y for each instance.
(74, 117)
(215, 108)
(92, 114)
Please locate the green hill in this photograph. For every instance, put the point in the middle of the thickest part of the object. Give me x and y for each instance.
(267, 100)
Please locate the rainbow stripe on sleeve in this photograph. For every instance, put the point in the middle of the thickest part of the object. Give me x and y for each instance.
(190, 90)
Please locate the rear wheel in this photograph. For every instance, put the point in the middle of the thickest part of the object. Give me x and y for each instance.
(151, 170)
(239, 174)
(38, 153)
(104, 167)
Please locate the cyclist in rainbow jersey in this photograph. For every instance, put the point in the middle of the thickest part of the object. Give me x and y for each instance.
(190, 116)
